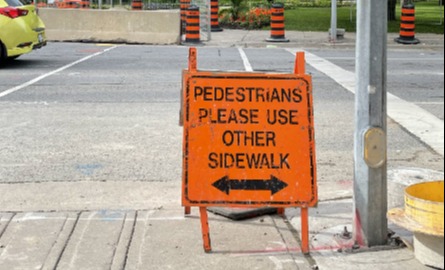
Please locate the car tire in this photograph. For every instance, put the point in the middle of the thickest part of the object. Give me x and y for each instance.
(2, 53)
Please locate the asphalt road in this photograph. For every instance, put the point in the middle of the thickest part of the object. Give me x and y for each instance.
(91, 158)
(87, 112)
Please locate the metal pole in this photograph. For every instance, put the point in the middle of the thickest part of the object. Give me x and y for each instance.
(333, 37)
(441, 12)
(209, 15)
(370, 175)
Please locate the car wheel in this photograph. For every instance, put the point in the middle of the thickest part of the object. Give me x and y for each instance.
(2, 53)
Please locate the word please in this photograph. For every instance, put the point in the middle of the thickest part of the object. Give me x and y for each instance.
(247, 116)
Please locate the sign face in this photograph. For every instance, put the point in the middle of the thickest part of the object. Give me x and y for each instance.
(248, 140)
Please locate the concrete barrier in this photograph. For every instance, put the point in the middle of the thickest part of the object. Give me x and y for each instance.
(123, 26)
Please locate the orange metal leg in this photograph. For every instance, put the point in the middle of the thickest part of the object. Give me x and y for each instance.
(280, 211)
(187, 210)
(205, 229)
(305, 230)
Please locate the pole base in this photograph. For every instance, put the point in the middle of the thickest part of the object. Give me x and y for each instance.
(192, 43)
(271, 39)
(405, 41)
(216, 29)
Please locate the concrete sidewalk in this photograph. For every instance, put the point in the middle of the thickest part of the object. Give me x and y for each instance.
(143, 239)
(132, 225)
(298, 39)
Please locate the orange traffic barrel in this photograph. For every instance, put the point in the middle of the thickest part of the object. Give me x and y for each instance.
(407, 25)
(277, 24)
(72, 4)
(184, 5)
(85, 4)
(214, 16)
(136, 4)
(192, 34)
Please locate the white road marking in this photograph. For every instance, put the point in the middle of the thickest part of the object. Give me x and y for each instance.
(416, 72)
(33, 81)
(430, 103)
(422, 124)
(246, 62)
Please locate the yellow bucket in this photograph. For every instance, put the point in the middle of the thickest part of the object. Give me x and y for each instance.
(424, 209)
(424, 204)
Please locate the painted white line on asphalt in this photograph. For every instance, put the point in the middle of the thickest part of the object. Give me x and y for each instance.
(430, 103)
(246, 62)
(416, 72)
(33, 81)
(422, 124)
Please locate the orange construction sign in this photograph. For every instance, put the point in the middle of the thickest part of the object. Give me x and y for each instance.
(248, 140)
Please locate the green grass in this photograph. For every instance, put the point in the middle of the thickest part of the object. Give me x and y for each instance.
(428, 17)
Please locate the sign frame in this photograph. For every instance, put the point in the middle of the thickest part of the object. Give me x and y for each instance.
(184, 120)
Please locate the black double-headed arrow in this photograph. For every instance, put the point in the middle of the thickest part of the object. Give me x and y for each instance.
(273, 184)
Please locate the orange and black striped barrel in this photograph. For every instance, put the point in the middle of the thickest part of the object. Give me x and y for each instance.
(407, 25)
(71, 5)
(184, 5)
(214, 16)
(277, 24)
(136, 4)
(192, 34)
(85, 4)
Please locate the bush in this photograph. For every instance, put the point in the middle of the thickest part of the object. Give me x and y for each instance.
(290, 4)
(255, 18)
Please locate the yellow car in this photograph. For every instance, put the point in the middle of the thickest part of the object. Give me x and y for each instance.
(21, 29)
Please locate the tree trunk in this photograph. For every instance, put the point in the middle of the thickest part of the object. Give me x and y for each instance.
(392, 10)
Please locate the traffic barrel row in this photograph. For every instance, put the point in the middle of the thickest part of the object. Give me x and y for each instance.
(407, 25)
(192, 21)
(74, 4)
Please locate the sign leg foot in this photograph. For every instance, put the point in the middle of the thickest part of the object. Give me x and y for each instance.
(205, 229)
(305, 230)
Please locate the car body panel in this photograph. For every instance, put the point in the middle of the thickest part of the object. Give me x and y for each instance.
(22, 34)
